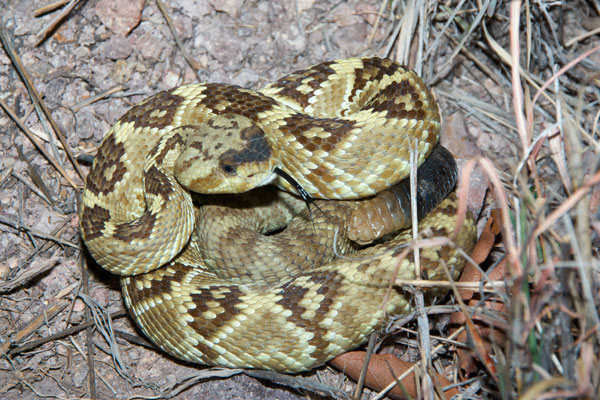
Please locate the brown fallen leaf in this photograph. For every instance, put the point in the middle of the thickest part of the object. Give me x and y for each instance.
(383, 369)
(480, 334)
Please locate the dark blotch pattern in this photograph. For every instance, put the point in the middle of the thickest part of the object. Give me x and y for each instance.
(373, 70)
(174, 273)
(169, 145)
(161, 283)
(227, 297)
(290, 83)
(257, 149)
(141, 114)
(298, 124)
(292, 294)
(235, 101)
(387, 101)
(108, 157)
(92, 222)
(157, 183)
(140, 228)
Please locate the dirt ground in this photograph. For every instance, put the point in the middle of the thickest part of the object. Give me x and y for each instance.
(105, 56)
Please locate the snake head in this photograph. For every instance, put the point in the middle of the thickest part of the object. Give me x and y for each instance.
(225, 154)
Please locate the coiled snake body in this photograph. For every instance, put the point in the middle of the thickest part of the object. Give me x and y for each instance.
(205, 283)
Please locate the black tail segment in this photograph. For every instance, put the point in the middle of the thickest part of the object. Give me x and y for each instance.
(436, 178)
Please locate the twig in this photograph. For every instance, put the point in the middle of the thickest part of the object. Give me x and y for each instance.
(296, 382)
(376, 24)
(194, 65)
(407, 28)
(422, 318)
(581, 37)
(35, 232)
(43, 34)
(36, 143)
(444, 31)
(79, 105)
(490, 286)
(365, 366)
(34, 324)
(555, 76)
(34, 189)
(34, 95)
(29, 273)
(565, 206)
(466, 36)
(49, 8)
(59, 335)
(89, 330)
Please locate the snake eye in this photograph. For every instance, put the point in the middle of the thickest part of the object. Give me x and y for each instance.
(228, 169)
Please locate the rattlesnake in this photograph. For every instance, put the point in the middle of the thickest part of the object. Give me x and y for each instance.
(204, 283)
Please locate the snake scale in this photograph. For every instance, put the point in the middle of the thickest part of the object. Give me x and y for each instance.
(219, 269)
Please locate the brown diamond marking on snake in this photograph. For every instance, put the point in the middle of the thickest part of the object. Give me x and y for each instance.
(388, 101)
(145, 115)
(298, 124)
(93, 220)
(292, 294)
(140, 228)
(108, 168)
(167, 146)
(229, 99)
(312, 77)
(329, 282)
(324, 174)
(228, 298)
(157, 183)
(382, 67)
(160, 282)
(373, 70)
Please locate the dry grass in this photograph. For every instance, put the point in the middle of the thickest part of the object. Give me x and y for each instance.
(527, 84)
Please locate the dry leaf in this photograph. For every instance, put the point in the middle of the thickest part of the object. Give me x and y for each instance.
(479, 333)
(384, 369)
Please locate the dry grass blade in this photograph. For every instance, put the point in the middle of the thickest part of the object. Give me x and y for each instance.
(444, 31)
(554, 77)
(515, 10)
(409, 23)
(49, 8)
(35, 269)
(103, 323)
(35, 176)
(43, 34)
(105, 93)
(34, 95)
(474, 24)
(195, 65)
(363, 373)
(296, 382)
(59, 335)
(36, 143)
(33, 325)
(8, 221)
(507, 59)
(567, 205)
(376, 24)
(434, 351)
